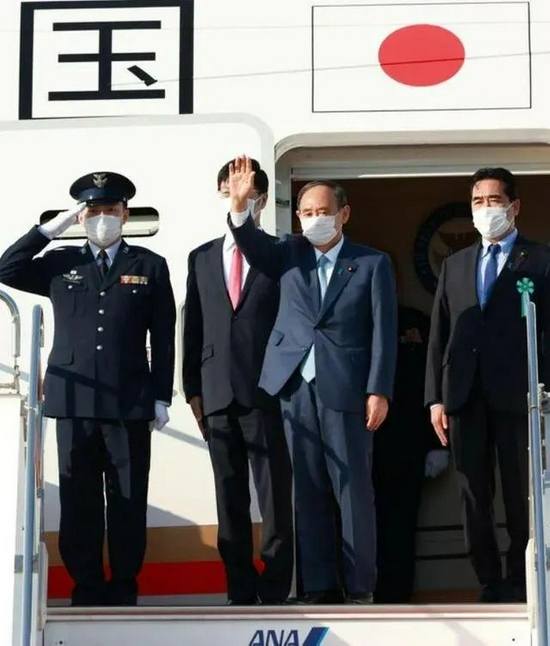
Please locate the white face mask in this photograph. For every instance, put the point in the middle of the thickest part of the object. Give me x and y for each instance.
(319, 229)
(492, 221)
(103, 230)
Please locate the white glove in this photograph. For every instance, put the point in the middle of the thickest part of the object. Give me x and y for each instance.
(437, 461)
(161, 416)
(62, 221)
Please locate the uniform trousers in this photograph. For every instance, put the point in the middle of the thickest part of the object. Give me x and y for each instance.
(103, 460)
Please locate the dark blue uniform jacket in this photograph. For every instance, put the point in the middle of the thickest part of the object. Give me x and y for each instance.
(98, 367)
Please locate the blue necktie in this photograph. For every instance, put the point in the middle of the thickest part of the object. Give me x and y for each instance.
(308, 366)
(491, 272)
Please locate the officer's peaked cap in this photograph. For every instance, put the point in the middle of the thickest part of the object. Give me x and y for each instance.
(103, 186)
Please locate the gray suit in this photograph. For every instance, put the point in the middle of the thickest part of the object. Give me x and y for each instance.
(354, 335)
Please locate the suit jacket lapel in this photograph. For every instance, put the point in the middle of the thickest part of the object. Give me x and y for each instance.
(470, 273)
(250, 278)
(344, 269)
(89, 265)
(215, 261)
(517, 257)
(125, 258)
(308, 269)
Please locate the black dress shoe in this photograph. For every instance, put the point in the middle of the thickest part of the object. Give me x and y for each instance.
(320, 597)
(242, 602)
(122, 593)
(491, 593)
(360, 598)
(90, 595)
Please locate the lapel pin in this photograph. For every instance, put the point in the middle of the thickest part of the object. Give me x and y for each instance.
(340, 271)
(351, 269)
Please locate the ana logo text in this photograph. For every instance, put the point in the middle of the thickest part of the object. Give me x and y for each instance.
(288, 637)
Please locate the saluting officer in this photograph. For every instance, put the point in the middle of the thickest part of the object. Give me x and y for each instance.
(99, 384)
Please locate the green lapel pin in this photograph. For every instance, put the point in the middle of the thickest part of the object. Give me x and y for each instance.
(526, 287)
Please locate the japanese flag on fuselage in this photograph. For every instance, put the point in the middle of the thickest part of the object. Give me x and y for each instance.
(395, 57)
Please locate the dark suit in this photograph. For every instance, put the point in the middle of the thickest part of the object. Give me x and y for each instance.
(400, 448)
(477, 367)
(354, 333)
(223, 355)
(100, 387)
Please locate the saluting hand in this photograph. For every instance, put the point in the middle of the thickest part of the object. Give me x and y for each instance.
(241, 183)
(377, 410)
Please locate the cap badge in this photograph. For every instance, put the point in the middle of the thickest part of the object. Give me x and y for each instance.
(100, 179)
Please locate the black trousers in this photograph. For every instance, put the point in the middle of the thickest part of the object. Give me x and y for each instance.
(478, 435)
(238, 436)
(103, 460)
(398, 474)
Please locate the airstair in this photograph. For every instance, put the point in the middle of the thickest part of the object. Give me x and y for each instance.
(27, 621)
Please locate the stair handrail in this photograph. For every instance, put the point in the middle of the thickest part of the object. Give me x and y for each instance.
(15, 340)
(34, 425)
(535, 411)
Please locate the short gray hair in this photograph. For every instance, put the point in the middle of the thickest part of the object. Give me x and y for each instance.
(339, 193)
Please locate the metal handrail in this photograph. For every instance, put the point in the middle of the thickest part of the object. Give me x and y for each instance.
(33, 428)
(536, 463)
(15, 339)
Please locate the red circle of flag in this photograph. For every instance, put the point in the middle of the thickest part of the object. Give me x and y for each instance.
(421, 55)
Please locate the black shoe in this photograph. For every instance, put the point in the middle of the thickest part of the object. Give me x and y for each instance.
(122, 593)
(491, 593)
(90, 595)
(243, 602)
(360, 598)
(320, 597)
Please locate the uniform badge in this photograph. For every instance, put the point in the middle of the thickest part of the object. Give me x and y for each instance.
(134, 280)
(100, 179)
(72, 277)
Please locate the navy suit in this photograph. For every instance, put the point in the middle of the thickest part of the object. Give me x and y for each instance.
(100, 387)
(354, 334)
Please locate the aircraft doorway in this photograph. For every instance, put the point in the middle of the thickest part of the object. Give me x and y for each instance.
(418, 221)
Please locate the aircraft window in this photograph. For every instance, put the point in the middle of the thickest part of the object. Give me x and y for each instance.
(143, 221)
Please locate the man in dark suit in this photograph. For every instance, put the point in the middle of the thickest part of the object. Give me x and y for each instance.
(476, 378)
(404, 451)
(331, 358)
(230, 309)
(106, 297)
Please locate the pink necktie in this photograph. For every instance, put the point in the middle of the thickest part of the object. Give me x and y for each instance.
(236, 277)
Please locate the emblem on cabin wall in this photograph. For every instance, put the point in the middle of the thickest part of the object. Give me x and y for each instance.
(97, 58)
(447, 230)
